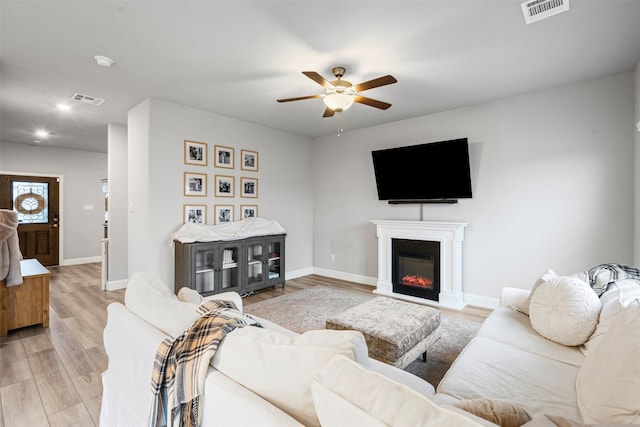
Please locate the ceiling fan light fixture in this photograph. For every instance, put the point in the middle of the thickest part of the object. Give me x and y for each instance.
(41, 133)
(340, 94)
(338, 102)
(103, 61)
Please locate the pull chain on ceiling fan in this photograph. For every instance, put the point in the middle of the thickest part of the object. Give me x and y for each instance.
(340, 94)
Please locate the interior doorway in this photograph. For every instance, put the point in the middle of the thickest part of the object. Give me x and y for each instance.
(36, 199)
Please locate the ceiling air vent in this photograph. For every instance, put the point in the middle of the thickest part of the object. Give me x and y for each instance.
(537, 10)
(87, 99)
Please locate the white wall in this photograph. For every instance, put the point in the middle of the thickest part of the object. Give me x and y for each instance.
(552, 178)
(637, 170)
(117, 174)
(157, 130)
(138, 190)
(82, 171)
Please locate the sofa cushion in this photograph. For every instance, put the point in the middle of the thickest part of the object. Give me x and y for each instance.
(548, 274)
(609, 379)
(491, 369)
(564, 310)
(189, 295)
(348, 394)
(620, 294)
(279, 368)
(500, 412)
(149, 298)
(227, 403)
(403, 377)
(514, 328)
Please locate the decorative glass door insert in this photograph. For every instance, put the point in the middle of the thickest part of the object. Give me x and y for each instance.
(230, 267)
(31, 202)
(254, 252)
(274, 260)
(204, 269)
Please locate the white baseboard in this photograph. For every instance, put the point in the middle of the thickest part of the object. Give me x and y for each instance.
(358, 278)
(475, 300)
(87, 260)
(112, 285)
(480, 301)
(289, 275)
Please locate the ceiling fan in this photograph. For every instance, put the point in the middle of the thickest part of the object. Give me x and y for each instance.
(341, 94)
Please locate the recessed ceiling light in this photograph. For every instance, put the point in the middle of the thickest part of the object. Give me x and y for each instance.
(42, 133)
(103, 61)
(63, 107)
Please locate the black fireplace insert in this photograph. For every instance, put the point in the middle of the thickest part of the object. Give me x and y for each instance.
(415, 268)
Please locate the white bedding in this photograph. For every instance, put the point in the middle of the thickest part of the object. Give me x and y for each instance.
(249, 227)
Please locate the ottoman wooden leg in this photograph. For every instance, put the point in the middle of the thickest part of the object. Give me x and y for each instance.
(424, 357)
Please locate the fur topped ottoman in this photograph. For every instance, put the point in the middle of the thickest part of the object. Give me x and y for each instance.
(396, 332)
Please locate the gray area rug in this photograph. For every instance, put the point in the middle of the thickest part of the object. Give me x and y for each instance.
(308, 309)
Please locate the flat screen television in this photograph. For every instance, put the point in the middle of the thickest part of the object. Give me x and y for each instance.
(437, 171)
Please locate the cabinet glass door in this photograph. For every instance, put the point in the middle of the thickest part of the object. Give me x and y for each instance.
(273, 262)
(230, 271)
(204, 270)
(254, 267)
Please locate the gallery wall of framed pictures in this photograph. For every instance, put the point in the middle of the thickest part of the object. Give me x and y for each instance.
(230, 183)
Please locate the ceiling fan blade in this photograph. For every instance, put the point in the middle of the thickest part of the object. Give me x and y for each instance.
(328, 113)
(300, 98)
(372, 102)
(370, 84)
(318, 79)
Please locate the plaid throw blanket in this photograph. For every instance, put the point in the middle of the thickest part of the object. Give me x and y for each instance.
(603, 275)
(181, 364)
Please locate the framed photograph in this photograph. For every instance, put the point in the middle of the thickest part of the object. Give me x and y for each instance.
(195, 153)
(195, 214)
(225, 185)
(195, 184)
(248, 211)
(224, 213)
(224, 157)
(248, 187)
(249, 160)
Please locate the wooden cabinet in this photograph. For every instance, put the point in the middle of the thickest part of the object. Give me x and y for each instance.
(26, 304)
(265, 262)
(242, 266)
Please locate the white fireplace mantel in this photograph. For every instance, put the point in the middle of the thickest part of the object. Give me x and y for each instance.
(449, 234)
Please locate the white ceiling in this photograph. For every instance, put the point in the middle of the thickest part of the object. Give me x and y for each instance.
(236, 58)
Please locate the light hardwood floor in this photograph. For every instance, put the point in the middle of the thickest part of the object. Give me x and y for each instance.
(51, 376)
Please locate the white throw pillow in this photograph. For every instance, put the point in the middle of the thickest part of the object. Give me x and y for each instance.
(564, 310)
(279, 368)
(620, 294)
(149, 298)
(189, 295)
(609, 379)
(547, 275)
(348, 394)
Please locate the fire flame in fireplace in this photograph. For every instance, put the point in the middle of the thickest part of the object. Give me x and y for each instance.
(415, 280)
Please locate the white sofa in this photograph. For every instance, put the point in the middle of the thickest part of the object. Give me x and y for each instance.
(265, 378)
(262, 376)
(596, 383)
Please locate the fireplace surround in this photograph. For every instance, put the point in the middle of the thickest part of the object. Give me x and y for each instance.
(449, 237)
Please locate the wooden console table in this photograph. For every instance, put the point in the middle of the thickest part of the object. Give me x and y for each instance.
(26, 304)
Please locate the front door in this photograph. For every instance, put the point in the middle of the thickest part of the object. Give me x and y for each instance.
(35, 198)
